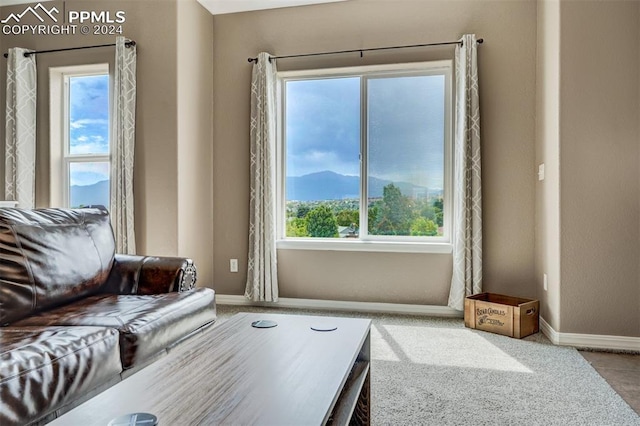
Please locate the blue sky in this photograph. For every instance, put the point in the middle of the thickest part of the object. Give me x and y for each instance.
(89, 126)
(405, 128)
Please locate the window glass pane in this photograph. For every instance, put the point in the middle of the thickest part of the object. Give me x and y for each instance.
(89, 115)
(88, 184)
(405, 129)
(322, 158)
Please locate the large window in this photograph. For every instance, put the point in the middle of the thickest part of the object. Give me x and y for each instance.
(80, 148)
(365, 154)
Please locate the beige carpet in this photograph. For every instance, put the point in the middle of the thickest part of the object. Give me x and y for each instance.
(434, 371)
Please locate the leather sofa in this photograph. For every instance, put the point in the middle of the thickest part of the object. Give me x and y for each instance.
(75, 317)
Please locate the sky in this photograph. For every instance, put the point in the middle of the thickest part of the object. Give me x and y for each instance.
(405, 127)
(89, 126)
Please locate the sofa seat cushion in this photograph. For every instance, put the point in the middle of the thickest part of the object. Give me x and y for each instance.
(148, 324)
(43, 368)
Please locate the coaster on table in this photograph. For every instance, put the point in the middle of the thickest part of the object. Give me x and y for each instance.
(324, 327)
(264, 324)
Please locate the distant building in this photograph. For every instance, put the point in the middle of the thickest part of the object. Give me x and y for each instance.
(348, 231)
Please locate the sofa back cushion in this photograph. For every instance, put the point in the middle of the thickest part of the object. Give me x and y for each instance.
(49, 257)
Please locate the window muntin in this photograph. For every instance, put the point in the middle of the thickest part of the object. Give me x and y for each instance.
(381, 131)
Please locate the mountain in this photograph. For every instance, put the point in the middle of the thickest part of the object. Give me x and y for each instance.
(329, 185)
(95, 194)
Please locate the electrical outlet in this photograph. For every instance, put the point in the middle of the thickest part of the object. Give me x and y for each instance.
(233, 265)
(544, 282)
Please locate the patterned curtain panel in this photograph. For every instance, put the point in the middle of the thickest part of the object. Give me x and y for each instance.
(262, 271)
(467, 237)
(20, 134)
(123, 132)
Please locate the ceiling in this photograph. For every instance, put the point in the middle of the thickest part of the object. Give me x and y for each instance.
(218, 7)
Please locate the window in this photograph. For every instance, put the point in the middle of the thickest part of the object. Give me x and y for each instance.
(365, 154)
(80, 148)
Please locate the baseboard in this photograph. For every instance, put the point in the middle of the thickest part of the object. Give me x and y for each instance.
(339, 305)
(590, 341)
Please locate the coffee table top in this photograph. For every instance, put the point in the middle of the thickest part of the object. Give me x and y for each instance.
(234, 373)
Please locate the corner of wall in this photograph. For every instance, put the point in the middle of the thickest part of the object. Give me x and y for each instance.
(547, 140)
(195, 133)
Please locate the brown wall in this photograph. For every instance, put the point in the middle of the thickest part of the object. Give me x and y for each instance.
(507, 78)
(165, 186)
(588, 207)
(600, 164)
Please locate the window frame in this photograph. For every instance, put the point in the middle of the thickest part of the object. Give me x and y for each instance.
(366, 242)
(59, 108)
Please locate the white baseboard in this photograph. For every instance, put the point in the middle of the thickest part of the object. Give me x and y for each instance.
(338, 305)
(592, 341)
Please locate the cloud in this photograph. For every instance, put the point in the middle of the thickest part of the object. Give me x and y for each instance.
(88, 173)
(89, 136)
(405, 127)
(89, 98)
(324, 115)
(88, 144)
(89, 148)
(84, 122)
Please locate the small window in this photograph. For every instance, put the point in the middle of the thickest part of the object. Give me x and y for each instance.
(80, 143)
(365, 154)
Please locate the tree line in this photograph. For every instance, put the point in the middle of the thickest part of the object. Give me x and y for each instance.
(393, 214)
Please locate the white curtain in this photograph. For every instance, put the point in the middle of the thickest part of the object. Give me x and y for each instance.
(262, 271)
(20, 130)
(467, 234)
(123, 133)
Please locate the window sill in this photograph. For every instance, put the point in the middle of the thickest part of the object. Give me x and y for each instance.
(366, 246)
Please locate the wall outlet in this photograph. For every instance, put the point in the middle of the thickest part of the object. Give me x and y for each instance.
(541, 172)
(233, 265)
(545, 284)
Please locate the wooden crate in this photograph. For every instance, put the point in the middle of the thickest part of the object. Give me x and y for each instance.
(506, 315)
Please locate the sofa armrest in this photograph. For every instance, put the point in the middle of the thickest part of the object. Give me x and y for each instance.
(132, 274)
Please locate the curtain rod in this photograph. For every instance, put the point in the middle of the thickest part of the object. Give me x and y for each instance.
(479, 41)
(27, 54)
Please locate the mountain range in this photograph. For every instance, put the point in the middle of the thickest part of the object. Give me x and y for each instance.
(327, 185)
(95, 194)
(324, 185)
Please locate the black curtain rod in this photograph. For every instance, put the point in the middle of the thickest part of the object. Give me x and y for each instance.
(361, 51)
(27, 54)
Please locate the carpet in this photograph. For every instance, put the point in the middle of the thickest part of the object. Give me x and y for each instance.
(434, 371)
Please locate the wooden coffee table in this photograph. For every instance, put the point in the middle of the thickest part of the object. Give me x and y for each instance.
(237, 374)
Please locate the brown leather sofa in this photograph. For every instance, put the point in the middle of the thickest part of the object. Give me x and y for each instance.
(75, 317)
